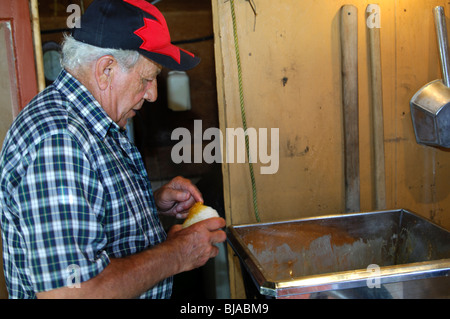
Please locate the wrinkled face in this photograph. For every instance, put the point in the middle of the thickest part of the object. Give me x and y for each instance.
(129, 90)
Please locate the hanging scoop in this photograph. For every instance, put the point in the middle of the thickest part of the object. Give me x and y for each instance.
(430, 106)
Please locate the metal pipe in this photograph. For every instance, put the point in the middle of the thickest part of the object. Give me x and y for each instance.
(441, 32)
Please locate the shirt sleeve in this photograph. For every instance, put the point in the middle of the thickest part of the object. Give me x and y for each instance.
(62, 202)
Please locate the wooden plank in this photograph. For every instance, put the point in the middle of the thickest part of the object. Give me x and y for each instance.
(220, 32)
(377, 114)
(349, 49)
(39, 58)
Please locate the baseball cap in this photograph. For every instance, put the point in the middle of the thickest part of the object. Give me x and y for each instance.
(132, 25)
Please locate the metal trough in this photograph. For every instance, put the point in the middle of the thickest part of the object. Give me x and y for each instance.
(384, 254)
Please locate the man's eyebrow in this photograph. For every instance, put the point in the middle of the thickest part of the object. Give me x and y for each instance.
(154, 73)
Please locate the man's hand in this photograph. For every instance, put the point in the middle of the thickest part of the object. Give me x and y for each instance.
(176, 197)
(196, 243)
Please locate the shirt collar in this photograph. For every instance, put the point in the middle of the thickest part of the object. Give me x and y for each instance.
(84, 104)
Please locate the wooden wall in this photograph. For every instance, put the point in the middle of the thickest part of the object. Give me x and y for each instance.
(291, 72)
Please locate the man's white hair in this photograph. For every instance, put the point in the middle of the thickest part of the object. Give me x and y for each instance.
(76, 54)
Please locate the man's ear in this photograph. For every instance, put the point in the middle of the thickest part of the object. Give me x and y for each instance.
(104, 71)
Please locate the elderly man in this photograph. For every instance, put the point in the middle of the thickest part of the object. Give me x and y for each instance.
(76, 202)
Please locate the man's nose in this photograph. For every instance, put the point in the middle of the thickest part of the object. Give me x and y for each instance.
(152, 92)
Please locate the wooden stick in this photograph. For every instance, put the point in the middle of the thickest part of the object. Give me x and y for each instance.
(349, 47)
(37, 45)
(377, 117)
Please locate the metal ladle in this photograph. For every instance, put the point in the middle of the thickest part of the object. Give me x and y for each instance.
(430, 106)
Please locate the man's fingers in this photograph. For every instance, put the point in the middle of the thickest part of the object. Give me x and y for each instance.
(214, 252)
(214, 223)
(175, 195)
(185, 184)
(183, 206)
(183, 215)
(218, 237)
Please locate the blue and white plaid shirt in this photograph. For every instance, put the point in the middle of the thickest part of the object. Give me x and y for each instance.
(73, 193)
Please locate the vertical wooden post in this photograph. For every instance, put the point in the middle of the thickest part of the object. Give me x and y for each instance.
(37, 44)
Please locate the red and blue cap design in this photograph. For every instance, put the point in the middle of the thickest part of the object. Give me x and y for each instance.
(133, 25)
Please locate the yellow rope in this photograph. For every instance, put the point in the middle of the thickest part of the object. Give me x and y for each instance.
(244, 121)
